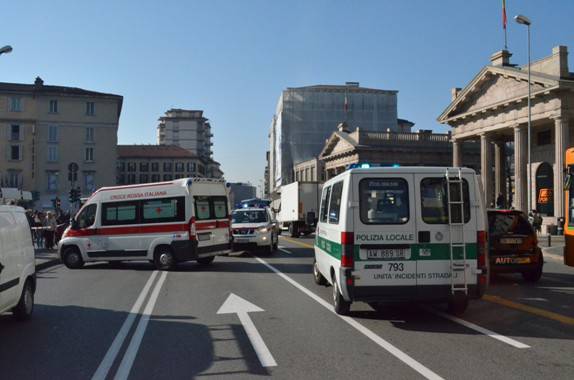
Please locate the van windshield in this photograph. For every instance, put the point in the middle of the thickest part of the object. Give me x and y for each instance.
(249, 216)
(384, 201)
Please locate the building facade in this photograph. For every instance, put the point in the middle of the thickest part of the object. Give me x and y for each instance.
(156, 163)
(422, 148)
(44, 128)
(306, 116)
(240, 191)
(311, 170)
(493, 108)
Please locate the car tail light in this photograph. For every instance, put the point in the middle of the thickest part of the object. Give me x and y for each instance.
(481, 248)
(192, 231)
(348, 248)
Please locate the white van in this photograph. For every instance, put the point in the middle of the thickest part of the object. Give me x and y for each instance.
(165, 223)
(389, 234)
(17, 265)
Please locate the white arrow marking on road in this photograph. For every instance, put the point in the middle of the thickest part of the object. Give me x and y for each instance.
(237, 305)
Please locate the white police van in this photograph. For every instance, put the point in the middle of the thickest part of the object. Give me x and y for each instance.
(397, 234)
(165, 223)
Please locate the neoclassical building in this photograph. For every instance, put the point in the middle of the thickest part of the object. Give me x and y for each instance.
(493, 109)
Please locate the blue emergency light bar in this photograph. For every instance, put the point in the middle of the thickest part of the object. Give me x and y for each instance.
(367, 165)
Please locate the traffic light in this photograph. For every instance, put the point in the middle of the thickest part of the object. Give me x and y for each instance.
(72, 195)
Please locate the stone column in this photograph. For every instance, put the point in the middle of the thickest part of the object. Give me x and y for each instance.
(486, 168)
(520, 163)
(561, 139)
(456, 153)
(499, 169)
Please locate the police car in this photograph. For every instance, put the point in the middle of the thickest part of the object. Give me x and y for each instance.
(254, 228)
(402, 233)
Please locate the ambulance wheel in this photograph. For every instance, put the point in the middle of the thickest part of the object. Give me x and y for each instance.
(317, 276)
(206, 260)
(342, 306)
(23, 310)
(72, 258)
(457, 304)
(163, 258)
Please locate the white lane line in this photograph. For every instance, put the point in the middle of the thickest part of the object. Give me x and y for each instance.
(424, 371)
(286, 251)
(110, 356)
(132, 350)
(482, 330)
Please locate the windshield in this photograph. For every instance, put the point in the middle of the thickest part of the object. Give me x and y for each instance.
(249, 216)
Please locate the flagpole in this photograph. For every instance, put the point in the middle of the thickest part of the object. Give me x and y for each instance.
(504, 24)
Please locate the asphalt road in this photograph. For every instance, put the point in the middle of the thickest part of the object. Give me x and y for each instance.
(130, 321)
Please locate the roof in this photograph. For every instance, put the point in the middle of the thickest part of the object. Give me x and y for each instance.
(40, 87)
(342, 88)
(153, 151)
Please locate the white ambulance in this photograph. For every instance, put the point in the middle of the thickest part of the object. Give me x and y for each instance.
(397, 234)
(165, 223)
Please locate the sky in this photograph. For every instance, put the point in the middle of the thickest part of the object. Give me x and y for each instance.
(233, 58)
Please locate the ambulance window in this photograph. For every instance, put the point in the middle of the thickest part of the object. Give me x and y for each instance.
(434, 203)
(202, 209)
(335, 203)
(384, 201)
(220, 207)
(325, 204)
(87, 217)
(119, 213)
(163, 210)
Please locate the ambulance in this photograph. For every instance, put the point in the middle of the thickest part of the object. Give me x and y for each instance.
(165, 223)
(402, 234)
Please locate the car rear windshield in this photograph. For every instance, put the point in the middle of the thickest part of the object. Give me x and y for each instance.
(501, 223)
(384, 201)
(249, 216)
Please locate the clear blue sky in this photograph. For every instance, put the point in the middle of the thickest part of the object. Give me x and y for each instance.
(233, 58)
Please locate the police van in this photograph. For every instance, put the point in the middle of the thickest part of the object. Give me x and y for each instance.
(165, 223)
(400, 234)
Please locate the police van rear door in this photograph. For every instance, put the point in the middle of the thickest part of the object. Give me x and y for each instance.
(384, 228)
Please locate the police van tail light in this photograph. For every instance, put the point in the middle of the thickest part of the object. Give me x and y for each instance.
(347, 252)
(192, 231)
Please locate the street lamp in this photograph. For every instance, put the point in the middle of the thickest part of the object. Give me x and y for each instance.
(523, 20)
(6, 49)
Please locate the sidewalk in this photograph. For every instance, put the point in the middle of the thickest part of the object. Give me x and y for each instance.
(46, 258)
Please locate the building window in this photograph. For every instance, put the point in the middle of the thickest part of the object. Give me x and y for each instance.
(15, 104)
(167, 167)
(52, 133)
(53, 106)
(131, 166)
(89, 182)
(167, 177)
(53, 181)
(179, 167)
(15, 152)
(15, 132)
(121, 179)
(144, 167)
(155, 167)
(144, 178)
(90, 109)
(131, 179)
(89, 156)
(191, 167)
(122, 166)
(178, 176)
(90, 134)
(545, 137)
(13, 178)
(155, 178)
(52, 153)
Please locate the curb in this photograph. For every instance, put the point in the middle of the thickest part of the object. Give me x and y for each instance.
(47, 264)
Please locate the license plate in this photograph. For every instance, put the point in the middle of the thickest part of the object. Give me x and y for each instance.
(388, 253)
(241, 240)
(203, 237)
(511, 241)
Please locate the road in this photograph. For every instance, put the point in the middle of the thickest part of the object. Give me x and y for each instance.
(130, 321)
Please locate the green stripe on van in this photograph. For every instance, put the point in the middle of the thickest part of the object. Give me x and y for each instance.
(437, 251)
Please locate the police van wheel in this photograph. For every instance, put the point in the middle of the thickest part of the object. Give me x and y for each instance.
(163, 258)
(317, 276)
(23, 311)
(72, 258)
(342, 306)
(206, 260)
(457, 304)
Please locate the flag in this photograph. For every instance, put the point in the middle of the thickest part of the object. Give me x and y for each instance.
(504, 14)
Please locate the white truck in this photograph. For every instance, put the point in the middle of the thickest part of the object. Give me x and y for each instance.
(299, 207)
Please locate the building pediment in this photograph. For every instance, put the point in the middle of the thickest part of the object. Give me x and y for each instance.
(338, 142)
(494, 86)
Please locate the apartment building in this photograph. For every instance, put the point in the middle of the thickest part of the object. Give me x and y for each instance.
(44, 128)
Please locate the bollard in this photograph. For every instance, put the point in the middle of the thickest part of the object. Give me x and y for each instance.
(549, 240)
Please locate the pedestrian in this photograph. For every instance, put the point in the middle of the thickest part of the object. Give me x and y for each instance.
(50, 224)
(500, 201)
(38, 232)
